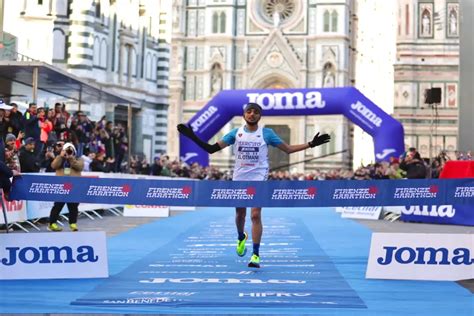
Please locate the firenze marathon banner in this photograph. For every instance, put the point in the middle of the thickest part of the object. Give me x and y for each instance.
(244, 193)
(386, 131)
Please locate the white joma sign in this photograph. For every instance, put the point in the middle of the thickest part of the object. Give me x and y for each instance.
(402, 256)
(53, 256)
(288, 100)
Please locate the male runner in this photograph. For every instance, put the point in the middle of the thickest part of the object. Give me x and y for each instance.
(251, 164)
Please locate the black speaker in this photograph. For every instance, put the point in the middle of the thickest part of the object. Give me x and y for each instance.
(433, 96)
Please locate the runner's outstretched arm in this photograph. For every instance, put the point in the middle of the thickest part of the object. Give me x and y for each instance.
(316, 141)
(189, 133)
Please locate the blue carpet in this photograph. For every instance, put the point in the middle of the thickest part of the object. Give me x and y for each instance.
(313, 262)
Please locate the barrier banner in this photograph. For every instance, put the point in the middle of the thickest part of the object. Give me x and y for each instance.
(402, 256)
(457, 214)
(244, 193)
(439, 214)
(53, 256)
(39, 209)
(16, 211)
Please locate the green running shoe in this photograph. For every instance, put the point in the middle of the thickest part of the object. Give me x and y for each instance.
(73, 227)
(241, 249)
(54, 227)
(254, 261)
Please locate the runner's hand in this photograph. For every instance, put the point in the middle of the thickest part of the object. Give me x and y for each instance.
(319, 140)
(186, 130)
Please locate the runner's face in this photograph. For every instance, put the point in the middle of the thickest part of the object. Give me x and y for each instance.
(252, 116)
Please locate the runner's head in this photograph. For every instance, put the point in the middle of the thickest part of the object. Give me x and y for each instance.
(254, 106)
(252, 113)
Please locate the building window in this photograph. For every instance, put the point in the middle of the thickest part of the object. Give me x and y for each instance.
(100, 53)
(326, 21)
(103, 53)
(218, 22)
(334, 21)
(284, 8)
(150, 25)
(59, 48)
(96, 52)
(97, 9)
(126, 60)
(61, 7)
(215, 22)
(222, 20)
(190, 91)
(148, 66)
(330, 21)
(154, 67)
(133, 62)
(407, 19)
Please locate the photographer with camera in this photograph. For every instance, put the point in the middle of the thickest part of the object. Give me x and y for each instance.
(66, 164)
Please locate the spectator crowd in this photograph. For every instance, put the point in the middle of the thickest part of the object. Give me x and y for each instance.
(409, 166)
(34, 138)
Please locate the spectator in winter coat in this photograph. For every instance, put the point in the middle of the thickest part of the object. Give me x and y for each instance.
(414, 166)
(32, 128)
(5, 172)
(29, 161)
(16, 120)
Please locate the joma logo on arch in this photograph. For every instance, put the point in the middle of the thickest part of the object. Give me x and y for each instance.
(287, 100)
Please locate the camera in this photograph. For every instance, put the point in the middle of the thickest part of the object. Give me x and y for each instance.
(69, 152)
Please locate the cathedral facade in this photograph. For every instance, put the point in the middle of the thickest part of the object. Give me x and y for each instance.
(428, 57)
(260, 44)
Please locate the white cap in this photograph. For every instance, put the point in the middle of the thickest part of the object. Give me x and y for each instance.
(69, 145)
(3, 106)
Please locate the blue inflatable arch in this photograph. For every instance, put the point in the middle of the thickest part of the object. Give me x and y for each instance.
(386, 131)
